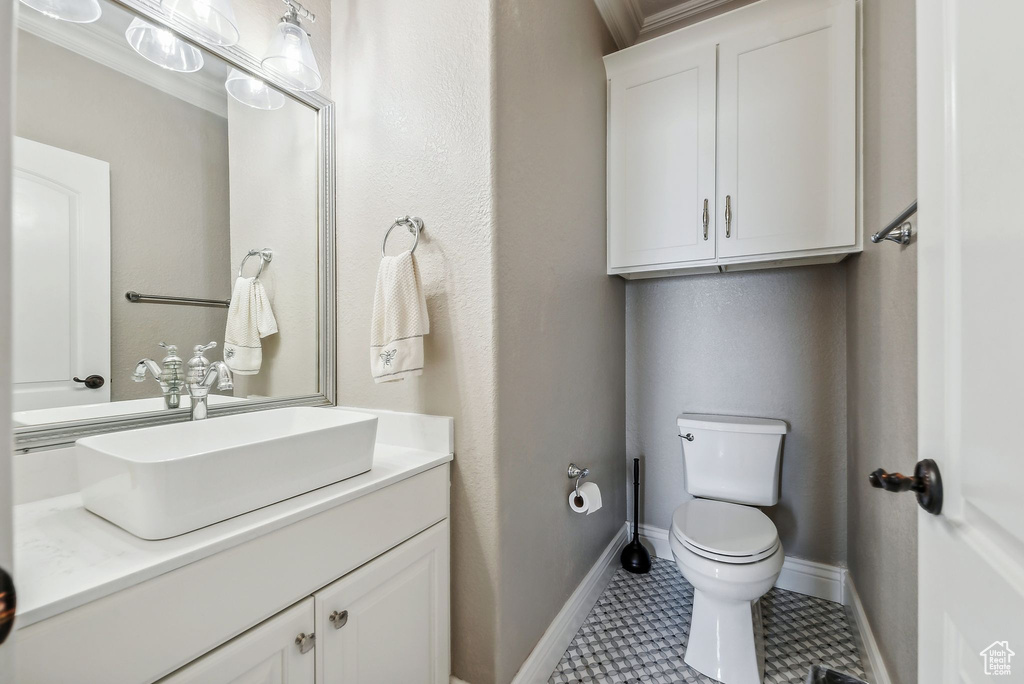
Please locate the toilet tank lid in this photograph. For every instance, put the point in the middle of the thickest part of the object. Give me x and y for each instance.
(700, 421)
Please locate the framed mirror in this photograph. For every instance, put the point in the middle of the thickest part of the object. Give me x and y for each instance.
(169, 193)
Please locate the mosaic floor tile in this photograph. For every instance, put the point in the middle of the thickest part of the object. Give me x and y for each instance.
(637, 632)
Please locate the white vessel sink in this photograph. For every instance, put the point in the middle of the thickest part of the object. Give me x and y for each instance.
(163, 481)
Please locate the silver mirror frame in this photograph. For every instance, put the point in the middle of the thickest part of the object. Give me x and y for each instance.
(56, 435)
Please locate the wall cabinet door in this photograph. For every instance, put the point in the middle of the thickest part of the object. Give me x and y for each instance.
(388, 621)
(266, 654)
(661, 161)
(787, 135)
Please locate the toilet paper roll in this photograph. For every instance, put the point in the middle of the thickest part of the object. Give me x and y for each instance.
(588, 501)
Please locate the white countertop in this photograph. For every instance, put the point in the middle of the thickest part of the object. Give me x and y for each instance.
(66, 556)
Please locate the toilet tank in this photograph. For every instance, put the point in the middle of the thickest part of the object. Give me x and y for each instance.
(732, 458)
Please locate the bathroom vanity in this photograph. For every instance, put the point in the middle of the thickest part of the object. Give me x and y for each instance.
(345, 583)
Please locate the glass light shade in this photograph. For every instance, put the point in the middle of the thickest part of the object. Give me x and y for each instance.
(161, 47)
(290, 58)
(75, 11)
(213, 20)
(253, 92)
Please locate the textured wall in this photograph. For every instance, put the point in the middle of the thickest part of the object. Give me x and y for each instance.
(413, 85)
(882, 328)
(560, 327)
(160, 150)
(761, 343)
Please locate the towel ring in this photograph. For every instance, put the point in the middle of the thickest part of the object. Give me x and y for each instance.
(266, 255)
(413, 223)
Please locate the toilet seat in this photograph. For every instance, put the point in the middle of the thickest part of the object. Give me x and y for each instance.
(725, 532)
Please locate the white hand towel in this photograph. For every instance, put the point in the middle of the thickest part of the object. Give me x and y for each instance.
(399, 320)
(249, 319)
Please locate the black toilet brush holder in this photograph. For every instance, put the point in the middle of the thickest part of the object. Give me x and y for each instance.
(635, 557)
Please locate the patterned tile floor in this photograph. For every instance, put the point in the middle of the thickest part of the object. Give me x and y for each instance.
(637, 633)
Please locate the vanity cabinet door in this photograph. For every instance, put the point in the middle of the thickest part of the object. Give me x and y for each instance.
(388, 621)
(661, 162)
(269, 653)
(787, 117)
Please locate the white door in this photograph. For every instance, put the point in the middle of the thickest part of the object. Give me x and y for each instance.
(661, 162)
(970, 338)
(272, 652)
(61, 275)
(787, 135)
(388, 621)
(6, 556)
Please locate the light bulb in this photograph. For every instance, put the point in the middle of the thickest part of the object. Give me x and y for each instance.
(252, 92)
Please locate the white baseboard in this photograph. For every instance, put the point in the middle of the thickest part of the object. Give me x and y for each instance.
(559, 634)
(868, 645)
(455, 680)
(799, 575)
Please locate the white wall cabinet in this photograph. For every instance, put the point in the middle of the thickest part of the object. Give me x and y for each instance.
(382, 623)
(752, 115)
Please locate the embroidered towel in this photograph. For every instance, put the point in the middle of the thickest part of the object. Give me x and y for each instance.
(399, 320)
(249, 319)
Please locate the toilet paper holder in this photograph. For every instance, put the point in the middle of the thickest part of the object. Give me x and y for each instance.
(577, 473)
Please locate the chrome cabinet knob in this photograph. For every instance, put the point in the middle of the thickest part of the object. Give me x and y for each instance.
(338, 619)
(305, 642)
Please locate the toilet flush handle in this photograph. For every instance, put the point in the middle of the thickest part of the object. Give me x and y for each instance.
(688, 437)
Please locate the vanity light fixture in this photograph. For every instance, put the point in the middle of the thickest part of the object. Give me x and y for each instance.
(161, 47)
(74, 11)
(213, 20)
(251, 91)
(290, 56)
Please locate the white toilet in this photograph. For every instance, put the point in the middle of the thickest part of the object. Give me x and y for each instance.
(727, 549)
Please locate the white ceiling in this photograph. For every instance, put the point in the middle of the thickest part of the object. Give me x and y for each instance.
(630, 20)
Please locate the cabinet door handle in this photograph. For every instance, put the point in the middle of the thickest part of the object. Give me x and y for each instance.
(707, 219)
(338, 619)
(728, 216)
(305, 642)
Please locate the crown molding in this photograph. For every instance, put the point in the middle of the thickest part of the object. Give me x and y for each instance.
(680, 12)
(623, 19)
(627, 22)
(201, 89)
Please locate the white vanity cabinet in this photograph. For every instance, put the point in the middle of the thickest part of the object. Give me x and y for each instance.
(388, 621)
(732, 144)
(269, 653)
(385, 622)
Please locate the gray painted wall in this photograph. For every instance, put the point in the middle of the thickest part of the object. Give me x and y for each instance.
(760, 343)
(882, 342)
(168, 196)
(560, 326)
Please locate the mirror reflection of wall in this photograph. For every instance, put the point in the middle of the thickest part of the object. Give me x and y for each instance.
(131, 177)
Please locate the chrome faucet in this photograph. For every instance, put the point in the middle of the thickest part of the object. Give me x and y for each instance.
(201, 376)
(171, 376)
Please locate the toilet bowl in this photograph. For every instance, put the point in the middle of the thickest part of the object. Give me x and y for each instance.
(725, 547)
(732, 556)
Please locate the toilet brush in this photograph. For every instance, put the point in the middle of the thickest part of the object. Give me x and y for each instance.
(635, 557)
